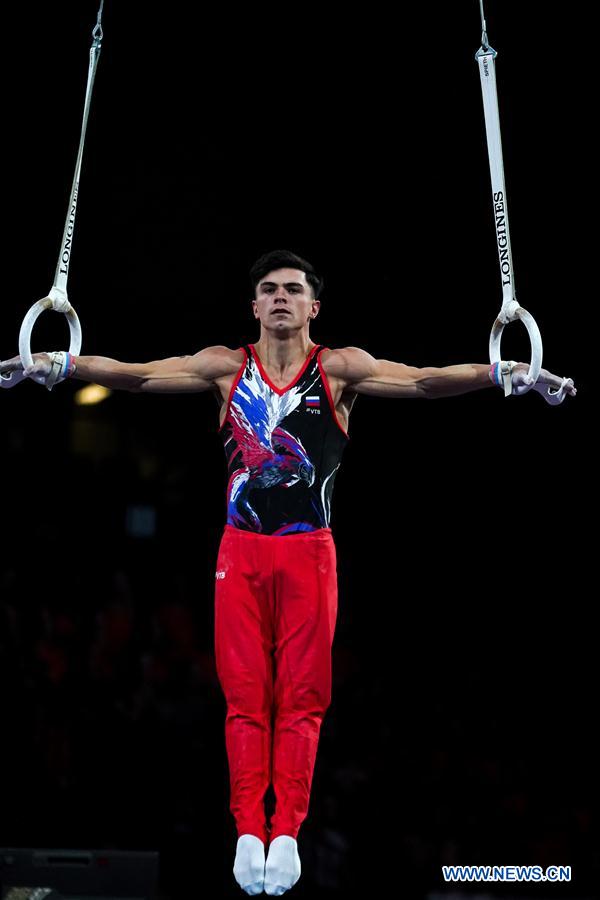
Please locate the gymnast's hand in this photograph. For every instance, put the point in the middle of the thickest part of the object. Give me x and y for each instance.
(13, 370)
(546, 380)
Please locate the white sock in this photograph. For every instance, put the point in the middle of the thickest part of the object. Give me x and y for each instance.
(282, 870)
(249, 865)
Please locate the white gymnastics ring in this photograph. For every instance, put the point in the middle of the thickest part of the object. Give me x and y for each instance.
(59, 303)
(512, 312)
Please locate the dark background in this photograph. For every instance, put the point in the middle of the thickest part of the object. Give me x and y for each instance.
(463, 707)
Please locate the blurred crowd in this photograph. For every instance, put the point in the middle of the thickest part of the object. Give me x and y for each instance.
(113, 734)
(113, 717)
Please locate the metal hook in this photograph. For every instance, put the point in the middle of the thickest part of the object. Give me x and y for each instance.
(97, 33)
(484, 38)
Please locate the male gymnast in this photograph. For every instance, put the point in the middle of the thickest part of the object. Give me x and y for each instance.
(284, 408)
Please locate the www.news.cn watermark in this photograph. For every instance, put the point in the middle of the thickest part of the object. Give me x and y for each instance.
(506, 873)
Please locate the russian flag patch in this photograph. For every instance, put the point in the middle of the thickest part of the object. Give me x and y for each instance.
(313, 402)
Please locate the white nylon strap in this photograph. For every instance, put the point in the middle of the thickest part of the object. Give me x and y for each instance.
(487, 73)
(511, 310)
(62, 267)
(57, 296)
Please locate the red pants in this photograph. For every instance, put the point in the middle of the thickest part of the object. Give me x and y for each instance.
(275, 614)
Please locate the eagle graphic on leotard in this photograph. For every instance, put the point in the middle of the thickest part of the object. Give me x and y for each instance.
(269, 456)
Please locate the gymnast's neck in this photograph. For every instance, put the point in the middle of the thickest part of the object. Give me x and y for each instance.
(282, 351)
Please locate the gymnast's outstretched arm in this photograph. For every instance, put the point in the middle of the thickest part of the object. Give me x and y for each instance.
(361, 373)
(178, 374)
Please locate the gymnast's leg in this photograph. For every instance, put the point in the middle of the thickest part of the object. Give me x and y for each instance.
(243, 645)
(304, 616)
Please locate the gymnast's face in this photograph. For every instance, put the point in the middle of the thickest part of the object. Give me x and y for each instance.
(284, 300)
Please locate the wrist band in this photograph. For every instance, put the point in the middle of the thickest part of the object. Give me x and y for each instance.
(494, 374)
(69, 366)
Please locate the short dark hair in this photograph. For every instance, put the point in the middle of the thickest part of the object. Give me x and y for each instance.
(285, 259)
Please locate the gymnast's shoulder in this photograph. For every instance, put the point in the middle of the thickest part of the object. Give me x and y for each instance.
(348, 363)
(217, 361)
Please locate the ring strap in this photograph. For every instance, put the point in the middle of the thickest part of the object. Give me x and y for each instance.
(64, 257)
(511, 310)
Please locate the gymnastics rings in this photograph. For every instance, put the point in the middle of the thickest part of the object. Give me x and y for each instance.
(57, 301)
(510, 313)
(57, 296)
(511, 310)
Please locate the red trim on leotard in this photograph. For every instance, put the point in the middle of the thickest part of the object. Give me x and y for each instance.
(292, 383)
(328, 392)
(233, 387)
